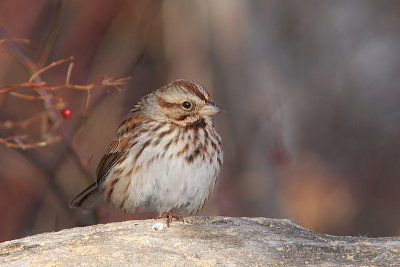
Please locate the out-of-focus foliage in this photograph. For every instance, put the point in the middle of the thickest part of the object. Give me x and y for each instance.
(311, 90)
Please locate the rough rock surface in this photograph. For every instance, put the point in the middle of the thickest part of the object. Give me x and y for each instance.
(200, 241)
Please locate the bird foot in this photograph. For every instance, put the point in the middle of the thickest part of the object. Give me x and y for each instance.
(170, 216)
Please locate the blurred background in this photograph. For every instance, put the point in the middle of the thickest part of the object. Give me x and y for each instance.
(311, 89)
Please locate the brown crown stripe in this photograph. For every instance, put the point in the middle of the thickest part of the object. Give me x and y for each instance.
(191, 87)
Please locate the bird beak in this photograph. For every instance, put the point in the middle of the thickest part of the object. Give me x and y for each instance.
(210, 109)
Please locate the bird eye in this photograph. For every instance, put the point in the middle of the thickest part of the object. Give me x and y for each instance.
(186, 104)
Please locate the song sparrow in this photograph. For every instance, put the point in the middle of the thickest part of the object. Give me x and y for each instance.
(165, 158)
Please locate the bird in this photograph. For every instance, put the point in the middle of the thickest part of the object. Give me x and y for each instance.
(165, 158)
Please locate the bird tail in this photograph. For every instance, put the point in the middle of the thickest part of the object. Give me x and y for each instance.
(89, 199)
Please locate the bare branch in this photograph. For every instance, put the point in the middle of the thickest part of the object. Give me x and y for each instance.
(42, 85)
(52, 65)
(18, 144)
(14, 40)
(69, 72)
(22, 124)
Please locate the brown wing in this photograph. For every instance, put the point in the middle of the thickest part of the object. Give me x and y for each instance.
(119, 147)
(106, 163)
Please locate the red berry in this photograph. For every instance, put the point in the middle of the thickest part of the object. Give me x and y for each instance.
(66, 113)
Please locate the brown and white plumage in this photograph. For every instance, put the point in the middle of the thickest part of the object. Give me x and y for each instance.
(166, 156)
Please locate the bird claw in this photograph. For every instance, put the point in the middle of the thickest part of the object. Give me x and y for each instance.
(170, 216)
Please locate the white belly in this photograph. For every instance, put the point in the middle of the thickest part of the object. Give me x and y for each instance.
(169, 182)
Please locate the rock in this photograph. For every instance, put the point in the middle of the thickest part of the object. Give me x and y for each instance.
(200, 241)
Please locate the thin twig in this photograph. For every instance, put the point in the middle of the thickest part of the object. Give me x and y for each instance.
(22, 124)
(70, 67)
(17, 143)
(109, 82)
(52, 65)
(22, 136)
(27, 97)
(87, 101)
(14, 40)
